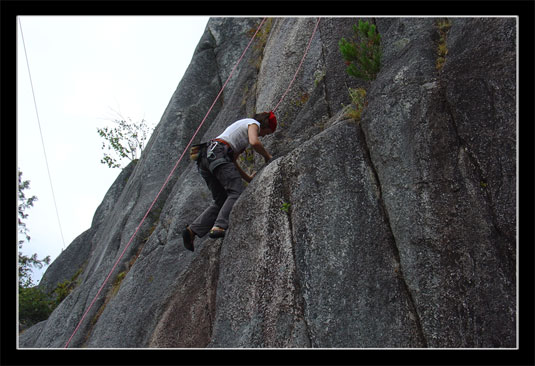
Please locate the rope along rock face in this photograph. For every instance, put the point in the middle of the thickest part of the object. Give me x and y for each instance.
(176, 165)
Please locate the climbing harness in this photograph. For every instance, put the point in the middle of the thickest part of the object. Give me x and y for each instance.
(207, 150)
(192, 155)
(221, 157)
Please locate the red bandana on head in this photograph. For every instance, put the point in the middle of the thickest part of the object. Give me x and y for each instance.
(272, 121)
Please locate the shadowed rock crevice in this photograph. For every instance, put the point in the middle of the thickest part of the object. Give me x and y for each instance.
(398, 269)
(301, 303)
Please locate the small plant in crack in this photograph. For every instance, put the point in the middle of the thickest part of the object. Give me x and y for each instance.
(358, 99)
(286, 207)
(318, 77)
(443, 26)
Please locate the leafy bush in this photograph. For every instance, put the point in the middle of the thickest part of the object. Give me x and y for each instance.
(34, 306)
(362, 53)
(26, 262)
(64, 288)
(126, 141)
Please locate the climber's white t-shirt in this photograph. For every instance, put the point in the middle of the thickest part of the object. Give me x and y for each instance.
(237, 134)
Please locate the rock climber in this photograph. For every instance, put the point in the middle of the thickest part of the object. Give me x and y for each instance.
(217, 164)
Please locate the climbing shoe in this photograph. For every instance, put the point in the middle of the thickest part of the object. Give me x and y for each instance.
(188, 236)
(216, 232)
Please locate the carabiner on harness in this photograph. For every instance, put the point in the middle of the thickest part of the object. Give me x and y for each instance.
(213, 160)
(210, 151)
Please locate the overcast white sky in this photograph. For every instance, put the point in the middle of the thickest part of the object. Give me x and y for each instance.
(83, 69)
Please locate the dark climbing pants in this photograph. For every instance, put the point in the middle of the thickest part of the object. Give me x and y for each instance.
(226, 185)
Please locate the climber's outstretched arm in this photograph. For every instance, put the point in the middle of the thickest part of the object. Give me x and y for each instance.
(256, 144)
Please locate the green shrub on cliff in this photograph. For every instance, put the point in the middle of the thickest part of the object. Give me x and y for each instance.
(362, 53)
(34, 306)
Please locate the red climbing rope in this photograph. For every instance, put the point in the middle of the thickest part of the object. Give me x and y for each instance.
(299, 67)
(165, 183)
(179, 160)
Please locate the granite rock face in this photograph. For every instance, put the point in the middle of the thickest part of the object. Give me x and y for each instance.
(398, 230)
(311, 246)
(440, 153)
